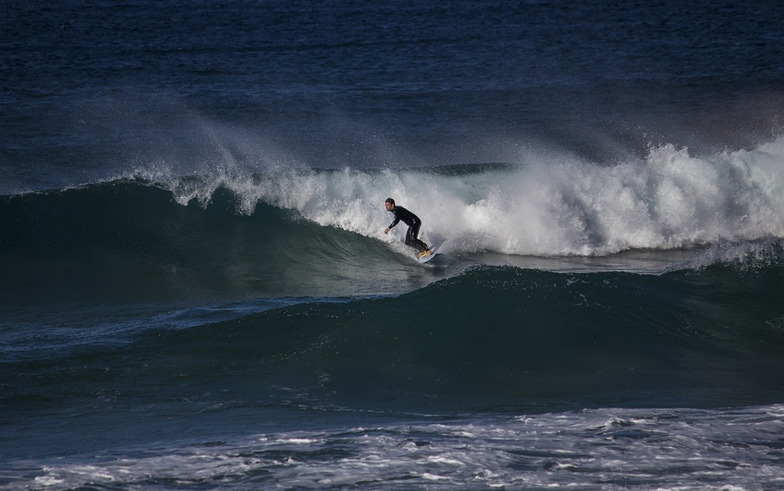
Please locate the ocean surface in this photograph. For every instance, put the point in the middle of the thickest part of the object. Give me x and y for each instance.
(196, 291)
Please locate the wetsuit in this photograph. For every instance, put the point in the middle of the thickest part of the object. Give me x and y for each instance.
(413, 222)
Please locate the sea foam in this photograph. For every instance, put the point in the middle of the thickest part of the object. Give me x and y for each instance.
(544, 206)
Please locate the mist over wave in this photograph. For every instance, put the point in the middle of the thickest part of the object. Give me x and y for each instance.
(549, 204)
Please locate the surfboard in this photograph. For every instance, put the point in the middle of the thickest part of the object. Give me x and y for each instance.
(427, 257)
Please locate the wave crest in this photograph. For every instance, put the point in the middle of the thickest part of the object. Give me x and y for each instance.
(547, 206)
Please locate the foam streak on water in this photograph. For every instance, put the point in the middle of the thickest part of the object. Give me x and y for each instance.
(607, 448)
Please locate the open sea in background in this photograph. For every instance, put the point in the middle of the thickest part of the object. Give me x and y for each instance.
(196, 291)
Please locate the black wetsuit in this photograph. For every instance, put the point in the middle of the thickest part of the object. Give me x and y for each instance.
(413, 222)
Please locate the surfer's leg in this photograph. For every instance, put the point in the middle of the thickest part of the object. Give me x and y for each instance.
(412, 240)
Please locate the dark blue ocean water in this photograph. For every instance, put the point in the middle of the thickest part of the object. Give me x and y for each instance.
(196, 290)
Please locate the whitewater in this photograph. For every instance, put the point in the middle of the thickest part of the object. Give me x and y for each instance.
(607, 448)
(543, 205)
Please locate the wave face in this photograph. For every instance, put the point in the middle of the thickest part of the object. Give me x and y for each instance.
(130, 238)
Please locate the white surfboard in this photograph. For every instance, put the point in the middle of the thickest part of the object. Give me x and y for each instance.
(427, 257)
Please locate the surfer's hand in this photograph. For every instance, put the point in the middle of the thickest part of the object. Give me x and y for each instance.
(386, 231)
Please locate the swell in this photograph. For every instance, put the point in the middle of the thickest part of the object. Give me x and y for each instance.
(490, 337)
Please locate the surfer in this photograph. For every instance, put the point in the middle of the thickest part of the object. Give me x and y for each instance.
(413, 223)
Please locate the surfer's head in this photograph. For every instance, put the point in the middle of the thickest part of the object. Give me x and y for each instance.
(390, 204)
